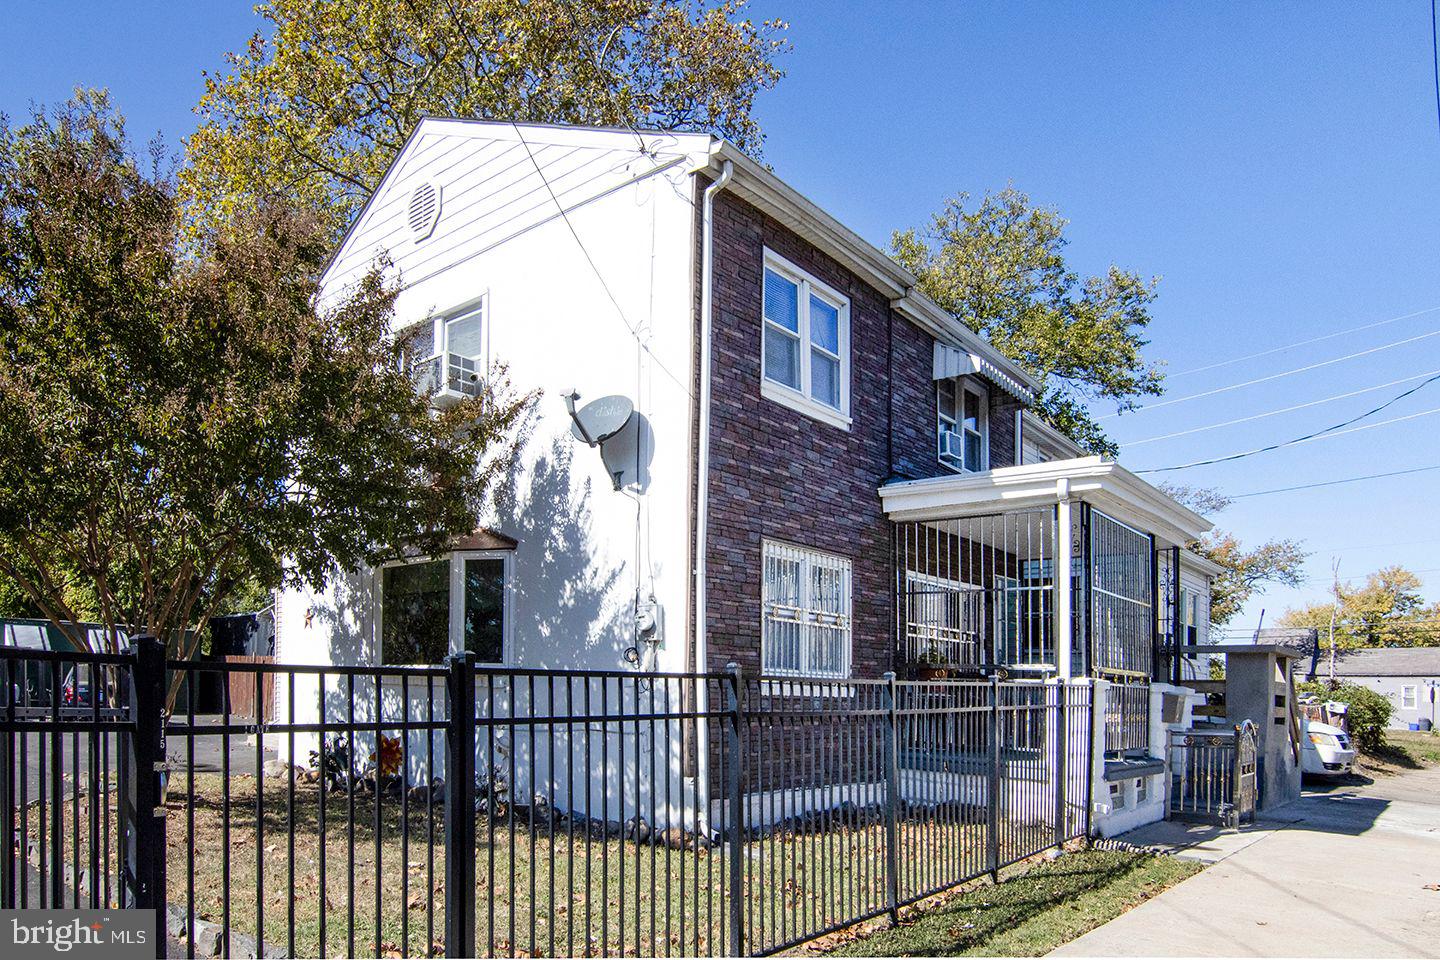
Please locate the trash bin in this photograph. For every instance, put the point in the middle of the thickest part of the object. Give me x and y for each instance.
(1414, 726)
(1426, 725)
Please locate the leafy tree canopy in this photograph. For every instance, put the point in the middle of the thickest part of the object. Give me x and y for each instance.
(1246, 572)
(183, 426)
(317, 110)
(999, 266)
(1388, 611)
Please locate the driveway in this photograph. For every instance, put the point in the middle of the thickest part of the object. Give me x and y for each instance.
(1342, 872)
(75, 754)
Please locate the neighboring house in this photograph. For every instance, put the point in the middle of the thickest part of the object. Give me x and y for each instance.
(1408, 676)
(826, 474)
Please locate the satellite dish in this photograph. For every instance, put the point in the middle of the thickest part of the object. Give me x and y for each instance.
(599, 420)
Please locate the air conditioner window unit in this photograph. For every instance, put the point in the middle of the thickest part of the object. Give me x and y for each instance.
(448, 378)
(952, 447)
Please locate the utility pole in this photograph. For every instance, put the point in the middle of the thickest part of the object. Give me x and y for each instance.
(1334, 607)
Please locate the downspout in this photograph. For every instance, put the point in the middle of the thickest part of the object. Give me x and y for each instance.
(702, 480)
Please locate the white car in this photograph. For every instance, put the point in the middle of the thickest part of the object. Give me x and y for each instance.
(1327, 751)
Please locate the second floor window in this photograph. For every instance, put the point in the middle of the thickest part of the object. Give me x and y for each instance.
(1189, 616)
(805, 343)
(463, 334)
(960, 425)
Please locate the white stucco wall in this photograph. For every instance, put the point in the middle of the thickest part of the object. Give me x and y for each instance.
(1108, 818)
(614, 316)
(585, 549)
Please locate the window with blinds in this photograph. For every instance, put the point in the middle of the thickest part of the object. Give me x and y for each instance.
(805, 612)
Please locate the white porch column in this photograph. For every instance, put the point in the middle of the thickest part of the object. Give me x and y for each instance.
(1063, 594)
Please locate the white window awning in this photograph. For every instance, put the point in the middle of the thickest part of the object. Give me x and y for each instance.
(958, 362)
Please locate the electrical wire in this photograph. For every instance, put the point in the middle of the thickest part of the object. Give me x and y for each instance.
(1275, 376)
(1327, 433)
(594, 267)
(1361, 576)
(1273, 413)
(1331, 483)
(1435, 57)
(1373, 546)
(1301, 343)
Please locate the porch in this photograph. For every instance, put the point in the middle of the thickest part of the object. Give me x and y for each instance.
(977, 573)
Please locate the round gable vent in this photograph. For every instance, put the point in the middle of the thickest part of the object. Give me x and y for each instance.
(424, 210)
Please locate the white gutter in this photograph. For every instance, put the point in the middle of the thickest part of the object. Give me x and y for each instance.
(702, 480)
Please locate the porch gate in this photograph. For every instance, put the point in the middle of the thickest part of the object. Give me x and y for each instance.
(1214, 775)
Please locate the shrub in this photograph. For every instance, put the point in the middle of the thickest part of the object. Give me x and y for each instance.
(1369, 711)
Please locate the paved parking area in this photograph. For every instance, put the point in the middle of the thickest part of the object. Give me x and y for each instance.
(1342, 872)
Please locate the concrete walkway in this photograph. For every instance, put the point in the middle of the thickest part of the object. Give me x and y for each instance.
(1342, 872)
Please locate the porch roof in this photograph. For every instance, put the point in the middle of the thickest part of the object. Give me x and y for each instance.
(1102, 483)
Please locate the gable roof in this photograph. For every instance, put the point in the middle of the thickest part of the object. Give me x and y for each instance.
(1381, 662)
(502, 160)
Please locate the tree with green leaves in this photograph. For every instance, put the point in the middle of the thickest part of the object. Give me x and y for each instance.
(1246, 571)
(317, 110)
(182, 419)
(999, 266)
(1387, 611)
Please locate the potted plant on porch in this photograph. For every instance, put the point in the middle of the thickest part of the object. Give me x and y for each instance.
(932, 663)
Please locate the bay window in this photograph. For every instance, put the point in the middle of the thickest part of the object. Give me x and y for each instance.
(805, 343)
(805, 612)
(435, 607)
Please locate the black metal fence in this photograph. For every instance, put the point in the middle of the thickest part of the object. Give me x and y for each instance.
(466, 810)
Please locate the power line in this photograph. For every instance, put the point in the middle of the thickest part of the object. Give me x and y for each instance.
(1328, 432)
(1325, 434)
(1273, 413)
(594, 267)
(1302, 343)
(1362, 576)
(1331, 483)
(1276, 376)
(1375, 546)
(1435, 58)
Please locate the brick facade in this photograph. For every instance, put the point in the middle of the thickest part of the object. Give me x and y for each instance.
(776, 473)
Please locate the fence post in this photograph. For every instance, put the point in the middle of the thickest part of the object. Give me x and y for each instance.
(993, 794)
(1062, 748)
(460, 806)
(1095, 693)
(735, 801)
(145, 841)
(892, 801)
(8, 863)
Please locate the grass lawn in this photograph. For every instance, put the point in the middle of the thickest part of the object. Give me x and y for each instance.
(1404, 750)
(536, 894)
(1031, 912)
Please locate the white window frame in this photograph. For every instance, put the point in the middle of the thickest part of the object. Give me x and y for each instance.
(442, 321)
(1409, 696)
(982, 395)
(805, 616)
(456, 637)
(782, 393)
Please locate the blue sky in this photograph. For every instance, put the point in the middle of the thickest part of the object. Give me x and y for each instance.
(1277, 165)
